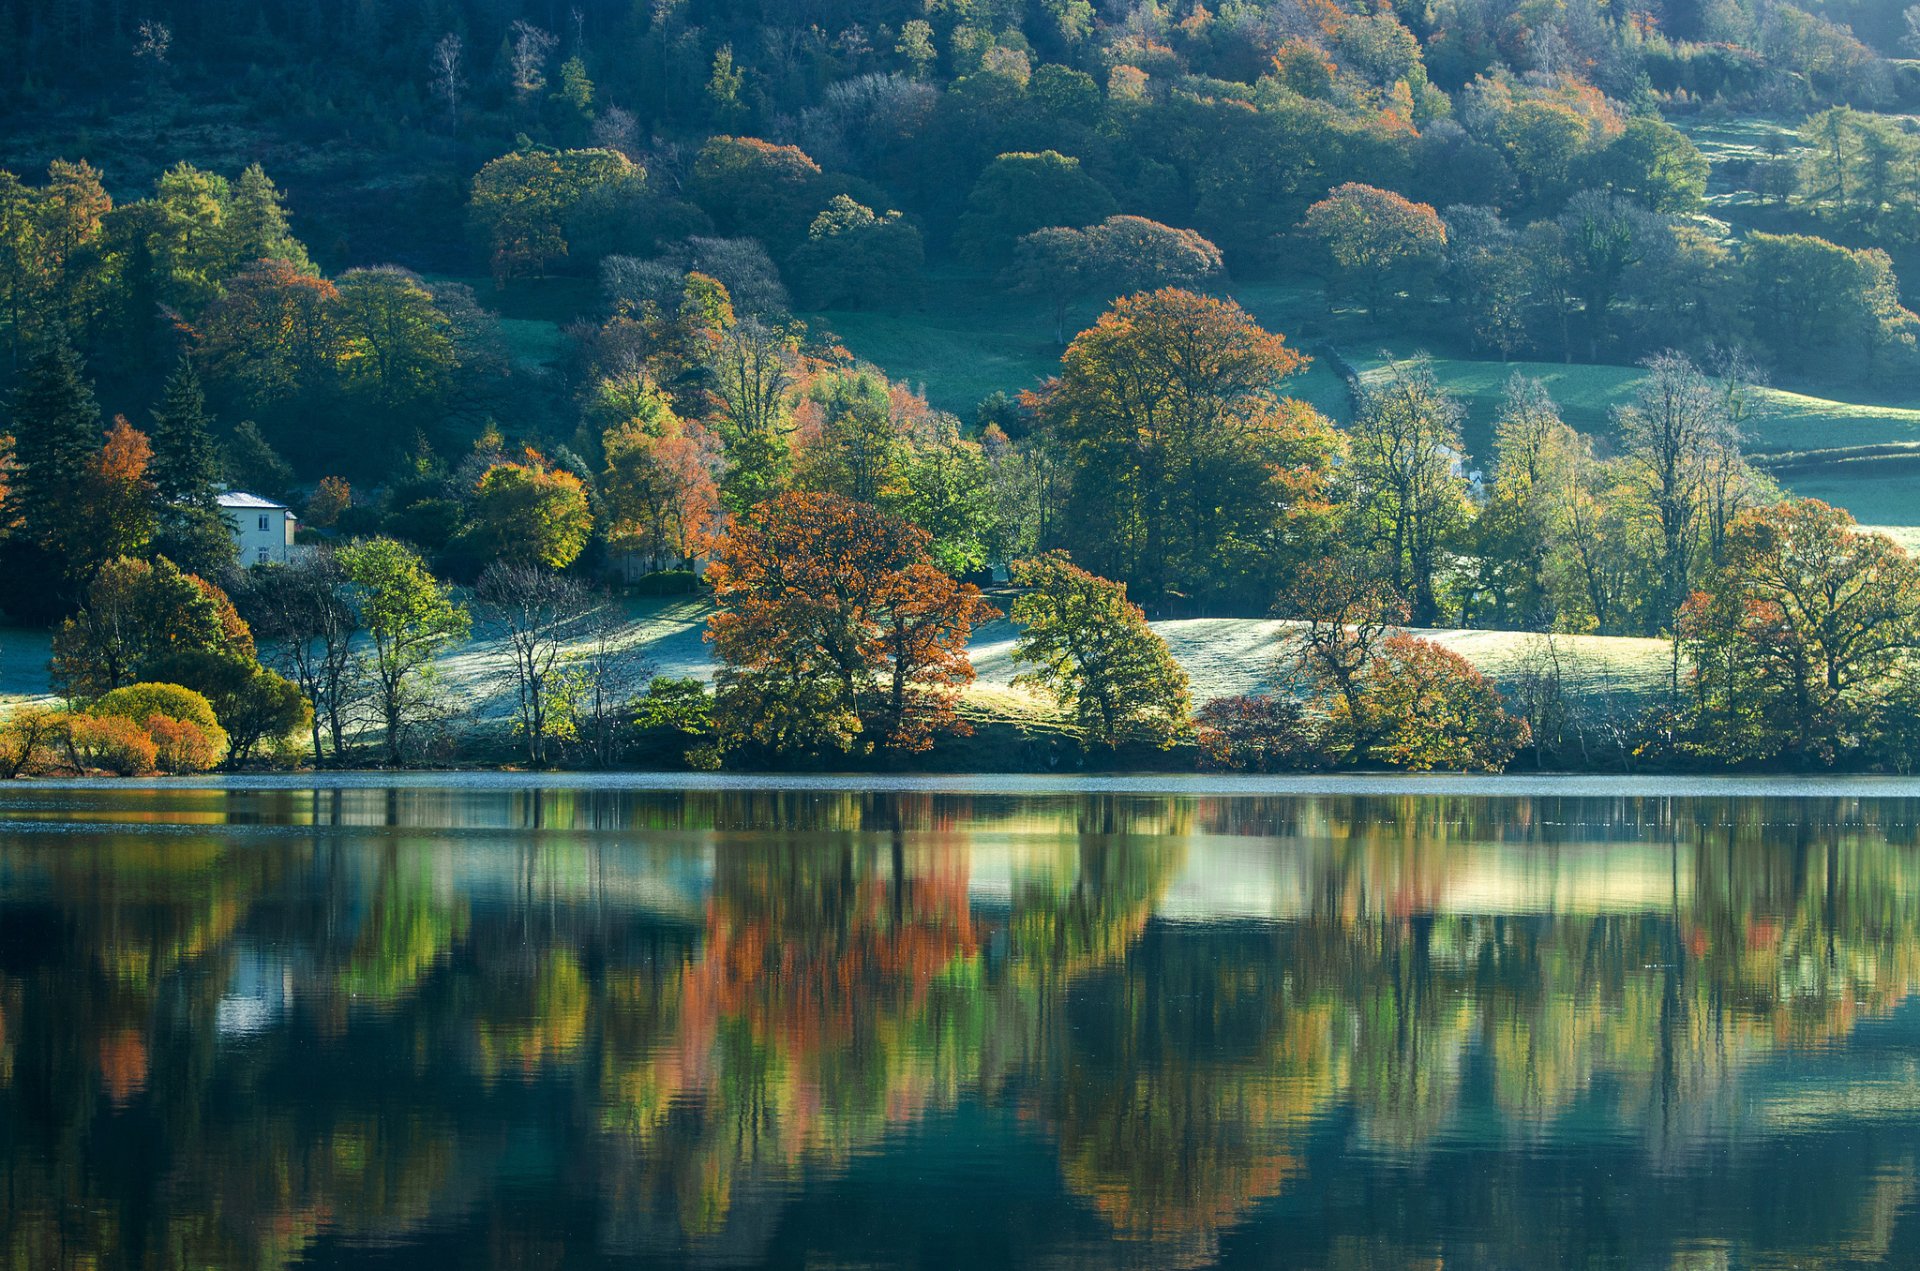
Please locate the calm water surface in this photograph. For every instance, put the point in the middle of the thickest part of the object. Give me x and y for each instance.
(820, 1028)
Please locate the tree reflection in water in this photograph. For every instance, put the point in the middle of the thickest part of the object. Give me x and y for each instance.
(252, 1028)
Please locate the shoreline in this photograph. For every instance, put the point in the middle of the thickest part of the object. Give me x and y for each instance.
(1206, 785)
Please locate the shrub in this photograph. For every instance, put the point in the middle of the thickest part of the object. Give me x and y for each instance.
(1257, 734)
(254, 704)
(30, 740)
(1428, 707)
(677, 705)
(139, 701)
(180, 745)
(111, 742)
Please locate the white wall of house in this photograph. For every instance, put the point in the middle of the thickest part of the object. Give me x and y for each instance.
(262, 530)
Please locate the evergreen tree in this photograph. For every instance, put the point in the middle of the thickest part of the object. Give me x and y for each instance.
(257, 223)
(186, 465)
(56, 430)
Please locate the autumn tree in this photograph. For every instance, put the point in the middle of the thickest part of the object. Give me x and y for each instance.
(657, 490)
(529, 513)
(1376, 243)
(272, 341)
(1091, 649)
(1800, 637)
(1428, 707)
(114, 516)
(134, 614)
(834, 627)
(1342, 617)
(1190, 477)
(409, 617)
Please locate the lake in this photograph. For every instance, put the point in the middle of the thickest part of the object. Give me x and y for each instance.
(489, 1023)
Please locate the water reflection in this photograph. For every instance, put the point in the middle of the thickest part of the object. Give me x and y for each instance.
(267, 1028)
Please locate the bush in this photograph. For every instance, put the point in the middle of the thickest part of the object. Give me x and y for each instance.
(30, 740)
(180, 745)
(111, 742)
(254, 703)
(675, 705)
(1428, 707)
(138, 702)
(1257, 734)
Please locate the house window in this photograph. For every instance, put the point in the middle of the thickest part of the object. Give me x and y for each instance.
(265, 555)
(263, 520)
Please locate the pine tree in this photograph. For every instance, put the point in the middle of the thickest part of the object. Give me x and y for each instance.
(56, 430)
(257, 223)
(186, 465)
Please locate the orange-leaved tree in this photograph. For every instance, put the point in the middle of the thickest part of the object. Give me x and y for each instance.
(835, 626)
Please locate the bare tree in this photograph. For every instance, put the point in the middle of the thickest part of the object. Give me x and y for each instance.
(303, 613)
(1673, 431)
(539, 612)
(153, 42)
(529, 49)
(617, 129)
(600, 677)
(449, 79)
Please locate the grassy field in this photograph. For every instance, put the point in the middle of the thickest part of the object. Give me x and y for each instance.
(1887, 500)
(965, 340)
(1224, 656)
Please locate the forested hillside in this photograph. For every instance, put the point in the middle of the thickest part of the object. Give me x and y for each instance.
(1182, 299)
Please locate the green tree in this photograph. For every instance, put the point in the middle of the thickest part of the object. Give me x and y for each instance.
(1021, 192)
(398, 348)
(56, 430)
(136, 613)
(860, 449)
(529, 513)
(410, 617)
(1802, 638)
(1409, 495)
(185, 469)
(753, 369)
(256, 223)
(853, 258)
(521, 203)
(1654, 164)
(1092, 650)
(256, 705)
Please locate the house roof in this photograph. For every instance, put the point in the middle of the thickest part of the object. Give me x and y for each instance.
(241, 499)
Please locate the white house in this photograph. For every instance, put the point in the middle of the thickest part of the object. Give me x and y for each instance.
(262, 529)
